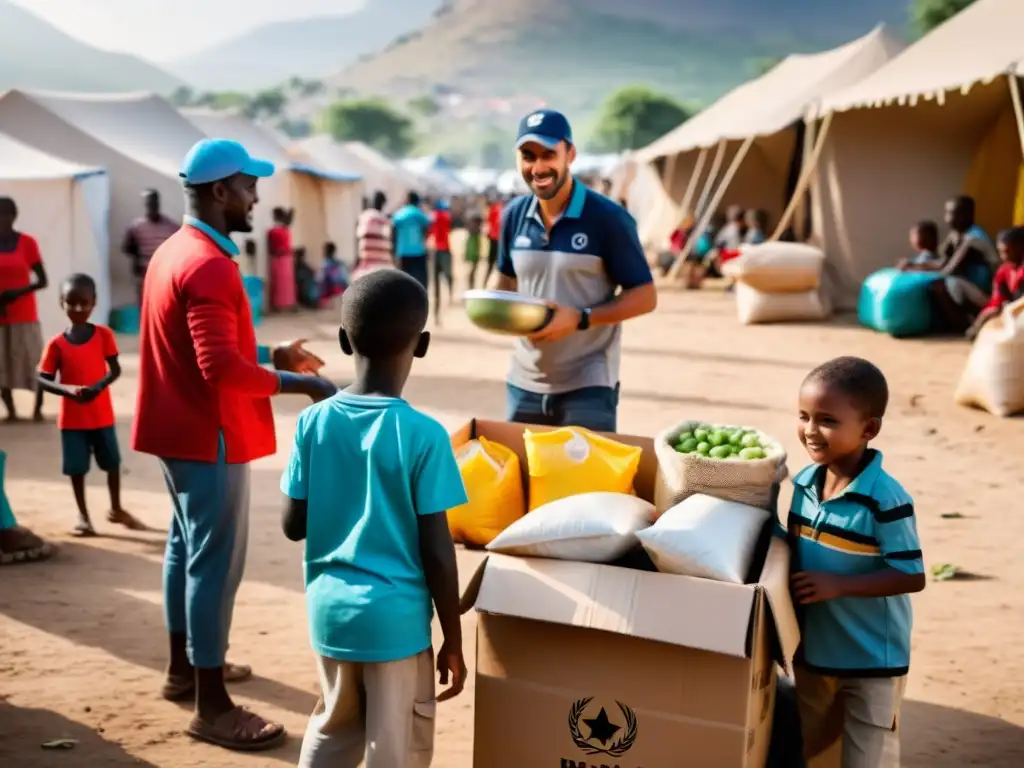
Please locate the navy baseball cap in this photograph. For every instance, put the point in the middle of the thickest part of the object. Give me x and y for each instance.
(216, 159)
(545, 127)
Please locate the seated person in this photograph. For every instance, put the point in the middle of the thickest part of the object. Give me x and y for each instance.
(757, 227)
(677, 241)
(969, 260)
(308, 291)
(924, 239)
(696, 267)
(333, 276)
(1008, 285)
(730, 237)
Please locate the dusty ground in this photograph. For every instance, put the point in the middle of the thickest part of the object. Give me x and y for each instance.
(82, 644)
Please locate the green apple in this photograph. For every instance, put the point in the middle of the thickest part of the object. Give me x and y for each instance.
(703, 448)
(700, 433)
(751, 440)
(736, 438)
(720, 452)
(751, 453)
(689, 445)
(684, 437)
(717, 438)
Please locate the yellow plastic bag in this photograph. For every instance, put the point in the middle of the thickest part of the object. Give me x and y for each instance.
(494, 485)
(568, 461)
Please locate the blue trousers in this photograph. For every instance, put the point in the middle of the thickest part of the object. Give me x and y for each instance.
(205, 554)
(593, 408)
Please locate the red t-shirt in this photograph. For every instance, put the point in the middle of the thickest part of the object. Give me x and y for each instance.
(82, 365)
(16, 272)
(279, 241)
(198, 375)
(494, 221)
(441, 230)
(1007, 286)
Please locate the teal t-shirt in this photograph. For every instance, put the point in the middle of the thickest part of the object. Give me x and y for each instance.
(367, 468)
(410, 226)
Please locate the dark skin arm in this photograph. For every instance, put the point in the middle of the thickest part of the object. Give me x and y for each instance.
(437, 553)
(48, 383)
(816, 586)
(13, 294)
(293, 522)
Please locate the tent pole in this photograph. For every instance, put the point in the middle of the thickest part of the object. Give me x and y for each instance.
(691, 188)
(805, 178)
(712, 205)
(709, 184)
(1018, 109)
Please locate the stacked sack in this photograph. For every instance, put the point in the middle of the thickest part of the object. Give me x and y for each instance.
(898, 303)
(994, 376)
(778, 282)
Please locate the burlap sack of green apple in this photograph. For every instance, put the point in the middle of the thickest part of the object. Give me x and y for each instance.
(734, 463)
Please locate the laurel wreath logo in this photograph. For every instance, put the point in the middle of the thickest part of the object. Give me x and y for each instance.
(619, 747)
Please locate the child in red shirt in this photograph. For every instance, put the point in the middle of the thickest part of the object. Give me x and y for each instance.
(85, 356)
(1008, 284)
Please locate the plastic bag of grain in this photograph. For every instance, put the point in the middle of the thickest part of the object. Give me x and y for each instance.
(681, 475)
(754, 307)
(993, 378)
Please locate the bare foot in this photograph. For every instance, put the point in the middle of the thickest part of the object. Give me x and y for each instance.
(121, 517)
(84, 529)
(11, 418)
(38, 417)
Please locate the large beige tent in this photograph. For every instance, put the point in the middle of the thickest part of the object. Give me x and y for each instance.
(937, 121)
(139, 138)
(326, 201)
(378, 172)
(64, 206)
(744, 143)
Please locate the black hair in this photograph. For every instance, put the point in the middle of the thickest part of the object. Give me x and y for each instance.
(300, 253)
(964, 203)
(10, 205)
(384, 313)
(79, 281)
(250, 247)
(414, 198)
(760, 217)
(379, 200)
(928, 228)
(859, 380)
(330, 249)
(150, 192)
(1013, 236)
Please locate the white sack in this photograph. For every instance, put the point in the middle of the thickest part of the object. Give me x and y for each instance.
(778, 267)
(993, 378)
(754, 307)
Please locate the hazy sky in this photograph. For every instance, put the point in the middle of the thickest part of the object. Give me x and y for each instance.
(165, 29)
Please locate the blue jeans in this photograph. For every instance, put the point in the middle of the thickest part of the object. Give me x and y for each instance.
(593, 408)
(205, 555)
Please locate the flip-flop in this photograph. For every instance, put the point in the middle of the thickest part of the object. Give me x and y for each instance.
(239, 730)
(184, 688)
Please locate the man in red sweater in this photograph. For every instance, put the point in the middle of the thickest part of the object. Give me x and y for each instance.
(204, 410)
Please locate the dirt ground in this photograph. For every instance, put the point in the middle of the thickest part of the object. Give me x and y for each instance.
(81, 638)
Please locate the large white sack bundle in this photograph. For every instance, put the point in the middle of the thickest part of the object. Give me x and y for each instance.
(754, 307)
(590, 527)
(682, 475)
(993, 378)
(777, 267)
(705, 537)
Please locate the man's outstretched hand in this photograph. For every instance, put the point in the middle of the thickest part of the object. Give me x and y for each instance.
(295, 358)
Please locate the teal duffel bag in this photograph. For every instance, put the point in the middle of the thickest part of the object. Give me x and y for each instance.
(6, 514)
(898, 303)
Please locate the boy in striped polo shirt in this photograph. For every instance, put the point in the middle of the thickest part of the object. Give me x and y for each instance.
(856, 560)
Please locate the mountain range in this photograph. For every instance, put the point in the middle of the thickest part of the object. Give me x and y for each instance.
(36, 55)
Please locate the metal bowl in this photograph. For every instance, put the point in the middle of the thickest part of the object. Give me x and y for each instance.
(506, 312)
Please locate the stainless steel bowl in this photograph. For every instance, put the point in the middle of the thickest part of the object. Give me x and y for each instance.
(506, 312)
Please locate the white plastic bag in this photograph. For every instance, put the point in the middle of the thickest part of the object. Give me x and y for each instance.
(705, 537)
(590, 527)
(778, 267)
(754, 306)
(681, 475)
(993, 378)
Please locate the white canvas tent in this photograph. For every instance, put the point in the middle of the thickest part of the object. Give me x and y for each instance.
(937, 121)
(745, 142)
(139, 138)
(326, 201)
(65, 207)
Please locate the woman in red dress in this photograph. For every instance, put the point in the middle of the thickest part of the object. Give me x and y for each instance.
(282, 261)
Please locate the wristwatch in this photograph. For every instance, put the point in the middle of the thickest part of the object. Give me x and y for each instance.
(584, 323)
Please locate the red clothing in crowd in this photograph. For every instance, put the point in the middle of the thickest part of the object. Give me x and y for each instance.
(16, 272)
(441, 230)
(198, 375)
(1007, 286)
(279, 240)
(494, 221)
(82, 365)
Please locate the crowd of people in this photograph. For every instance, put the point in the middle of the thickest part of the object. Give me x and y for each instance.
(378, 553)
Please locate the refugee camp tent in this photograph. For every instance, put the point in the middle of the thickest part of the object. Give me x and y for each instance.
(749, 142)
(139, 138)
(378, 172)
(326, 201)
(936, 121)
(64, 206)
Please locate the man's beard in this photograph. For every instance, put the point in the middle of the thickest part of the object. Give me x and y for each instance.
(547, 193)
(240, 224)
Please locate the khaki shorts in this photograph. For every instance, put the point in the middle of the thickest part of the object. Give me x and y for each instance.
(850, 722)
(382, 713)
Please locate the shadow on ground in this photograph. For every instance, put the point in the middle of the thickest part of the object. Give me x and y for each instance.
(945, 737)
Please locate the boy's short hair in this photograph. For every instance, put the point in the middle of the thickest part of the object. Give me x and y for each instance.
(859, 380)
(1013, 236)
(330, 248)
(383, 313)
(927, 228)
(78, 281)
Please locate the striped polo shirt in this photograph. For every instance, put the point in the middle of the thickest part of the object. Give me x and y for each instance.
(150, 235)
(867, 527)
(373, 234)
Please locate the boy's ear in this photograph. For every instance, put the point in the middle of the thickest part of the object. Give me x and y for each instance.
(422, 345)
(872, 428)
(346, 345)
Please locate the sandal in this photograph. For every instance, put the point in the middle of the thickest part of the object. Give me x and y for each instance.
(84, 530)
(184, 688)
(19, 545)
(126, 519)
(239, 730)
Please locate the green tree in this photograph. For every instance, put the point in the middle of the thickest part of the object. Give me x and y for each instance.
(267, 103)
(928, 14)
(222, 100)
(182, 96)
(424, 105)
(372, 122)
(635, 116)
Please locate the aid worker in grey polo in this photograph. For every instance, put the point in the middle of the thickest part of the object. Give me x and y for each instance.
(572, 246)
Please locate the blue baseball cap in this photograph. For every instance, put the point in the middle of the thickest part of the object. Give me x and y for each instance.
(545, 127)
(217, 159)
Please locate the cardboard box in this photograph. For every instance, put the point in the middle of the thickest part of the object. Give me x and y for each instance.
(593, 666)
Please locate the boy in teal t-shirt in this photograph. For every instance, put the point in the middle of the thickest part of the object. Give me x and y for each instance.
(369, 482)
